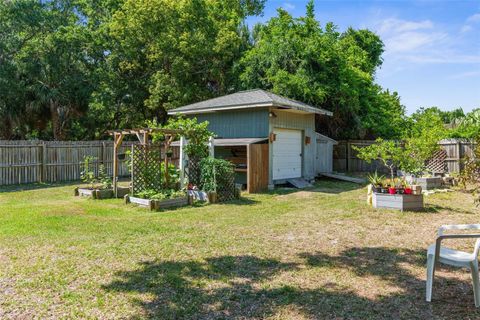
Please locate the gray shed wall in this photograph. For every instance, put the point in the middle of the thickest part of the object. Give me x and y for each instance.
(324, 155)
(299, 121)
(245, 123)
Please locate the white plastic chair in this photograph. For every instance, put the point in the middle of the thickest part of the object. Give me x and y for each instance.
(436, 254)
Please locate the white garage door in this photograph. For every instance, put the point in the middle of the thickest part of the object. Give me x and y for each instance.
(287, 154)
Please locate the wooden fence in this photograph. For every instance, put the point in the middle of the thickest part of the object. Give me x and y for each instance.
(345, 157)
(54, 161)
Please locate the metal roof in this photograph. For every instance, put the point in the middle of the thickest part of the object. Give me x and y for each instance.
(255, 98)
(230, 142)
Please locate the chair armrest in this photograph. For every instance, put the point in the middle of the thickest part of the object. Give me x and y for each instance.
(438, 243)
(458, 227)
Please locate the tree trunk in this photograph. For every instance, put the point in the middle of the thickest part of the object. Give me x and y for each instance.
(59, 133)
(6, 128)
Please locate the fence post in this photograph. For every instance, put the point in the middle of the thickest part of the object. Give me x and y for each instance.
(458, 156)
(211, 147)
(102, 153)
(348, 156)
(181, 163)
(44, 162)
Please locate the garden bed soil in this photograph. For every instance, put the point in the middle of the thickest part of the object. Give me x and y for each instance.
(158, 204)
(409, 202)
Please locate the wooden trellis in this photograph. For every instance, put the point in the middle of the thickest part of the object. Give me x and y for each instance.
(437, 163)
(143, 136)
(146, 168)
(227, 190)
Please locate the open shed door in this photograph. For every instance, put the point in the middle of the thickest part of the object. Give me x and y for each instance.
(287, 154)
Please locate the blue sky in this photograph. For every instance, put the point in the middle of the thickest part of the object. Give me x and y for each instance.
(432, 48)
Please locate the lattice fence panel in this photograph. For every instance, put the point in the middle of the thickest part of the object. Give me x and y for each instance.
(225, 181)
(193, 172)
(146, 168)
(437, 163)
(226, 187)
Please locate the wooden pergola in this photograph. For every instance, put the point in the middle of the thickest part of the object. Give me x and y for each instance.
(143, 136)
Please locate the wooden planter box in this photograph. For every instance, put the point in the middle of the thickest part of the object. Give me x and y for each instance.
(430, 183)
(158, 204)
(122, 191)
(409, 202)
(94, 193)
(101, 193)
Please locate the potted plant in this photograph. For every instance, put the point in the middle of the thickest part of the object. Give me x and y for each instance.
(399, 186)
(391, 187)
(385, 185)
(376, 182)
(407, 187)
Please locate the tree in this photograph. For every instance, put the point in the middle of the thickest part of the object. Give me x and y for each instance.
(47, 56)
(470, 175)
(197, 134)
(176, 52)
(300, 59)
(389, 152)
(383, 115)
(425, 128)
(20, 22)
(467, 126)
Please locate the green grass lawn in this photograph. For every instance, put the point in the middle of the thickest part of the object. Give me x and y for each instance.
(316, 254)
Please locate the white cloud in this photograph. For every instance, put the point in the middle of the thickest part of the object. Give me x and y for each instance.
(403, 36)
(474, 18)
(444, 58)
(411, 41)
(419, 42)
(468, 26)
(288, 6)
(398, 25)
(467, 74)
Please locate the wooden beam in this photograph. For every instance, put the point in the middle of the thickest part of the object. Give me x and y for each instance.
(168, 141)
(344, 178)
(182, 161)
(117, 142)
(145, 130)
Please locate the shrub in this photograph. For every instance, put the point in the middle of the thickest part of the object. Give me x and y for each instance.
(215, 174)
(88, 174)
(164, 194)
(470, 175)
(196, 133)
(390, 153)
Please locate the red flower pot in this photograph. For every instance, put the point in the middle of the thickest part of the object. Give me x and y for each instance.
(392, 190)
(408, 190)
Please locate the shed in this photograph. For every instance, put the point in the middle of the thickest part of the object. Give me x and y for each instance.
(286, 127)
(324, 154)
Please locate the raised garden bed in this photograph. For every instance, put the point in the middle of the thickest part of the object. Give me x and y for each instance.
(158, 204)
(101, 193)
(410, 202)
(430, 183)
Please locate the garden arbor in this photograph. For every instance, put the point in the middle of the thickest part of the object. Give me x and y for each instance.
(143, 136)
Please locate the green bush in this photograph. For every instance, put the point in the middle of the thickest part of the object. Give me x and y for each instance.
(215, 173)
(164, 194)
(89, 176)
(390, 153)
